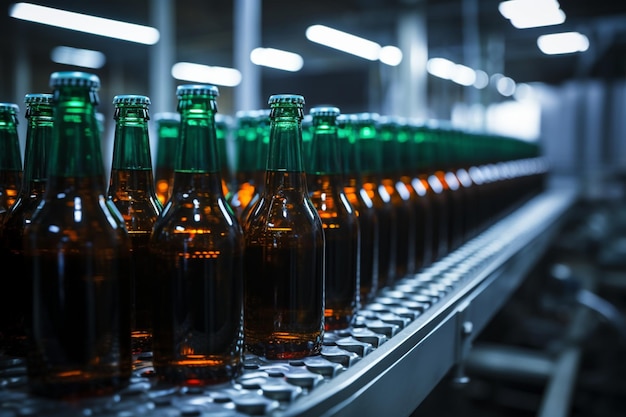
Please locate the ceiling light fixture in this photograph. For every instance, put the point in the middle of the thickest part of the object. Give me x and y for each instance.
(525, 14)
(228, 77)
(85, 23)
(390, 55)
(343, 41)
(276, 58)
(85, 58)
(563, 43)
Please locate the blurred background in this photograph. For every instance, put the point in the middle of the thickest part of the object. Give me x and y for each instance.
(473, 62)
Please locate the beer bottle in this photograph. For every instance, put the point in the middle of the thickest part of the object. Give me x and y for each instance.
(363, 207)
(15, 298)
(77, 253)
(10, 157)
(246, 145)
(196, 247)
(400, 196)
(284, 248)
(339, 220)
(222, 135)
(262, 126)
(131, 189)
(417, 197)
(371, 165)
(168, 124)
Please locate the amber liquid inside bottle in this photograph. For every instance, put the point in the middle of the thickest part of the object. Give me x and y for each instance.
(141, 212)
(368, 226)
(197, 342)
(341, 231)
(163, 182)
(78, 348)
(283, 262)
(386, 232)
(405, 228)
(11, 181)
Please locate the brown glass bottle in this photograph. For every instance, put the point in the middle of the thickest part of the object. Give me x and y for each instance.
(400, 196)
(167, 127)
(284, 249)
(15, 297)
(131, 189)
(363, 207)
(339, 219)
(196, 248)
(370, 155)
(78, 256)
(10, 158)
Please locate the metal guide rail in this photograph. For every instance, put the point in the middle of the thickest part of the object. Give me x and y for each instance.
(402, 345)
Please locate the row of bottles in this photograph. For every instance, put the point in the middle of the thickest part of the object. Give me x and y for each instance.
(215, 254)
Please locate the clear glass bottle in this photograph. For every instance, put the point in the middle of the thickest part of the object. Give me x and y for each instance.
(15, 298)
(11, 171)
(284, 248)
(339, 219)
(168, 125)
(131, 190)
(197, 247)
(78, 255)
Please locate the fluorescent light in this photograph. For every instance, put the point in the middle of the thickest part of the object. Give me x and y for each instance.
(343, 41)
(390, 55)
(275, 58)
(563, 43)
(85, 23)
(440, 67)
(463, 75)
(199, 73)
(79, 57)
(482, 79)
(505, 86)
(525, 14)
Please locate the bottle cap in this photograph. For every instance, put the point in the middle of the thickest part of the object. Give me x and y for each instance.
(324, 111)
(38, 99)
(10, 107)
(131, 99)
(286, 98)
(75, 78)
(197, 90)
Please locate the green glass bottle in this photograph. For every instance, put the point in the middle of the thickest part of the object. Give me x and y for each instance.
(197, 247)
(363, 207)
(400, 196)
(168, 125)
(262, 125)
(370, 155)
(131, 189)
(284, 248)
(78, 255)
(246, 145)
(15, 299)
(339, 219)
(10, 157)
(223, 131)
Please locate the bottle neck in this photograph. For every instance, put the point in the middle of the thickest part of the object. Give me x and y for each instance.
(75, 151)
(324, 158)
(197, 147)
(167, 142)
(10, 156)
(38, 137)
(285, 151)
(131, 148)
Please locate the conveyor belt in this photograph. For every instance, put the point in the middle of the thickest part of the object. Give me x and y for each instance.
(403, 344)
